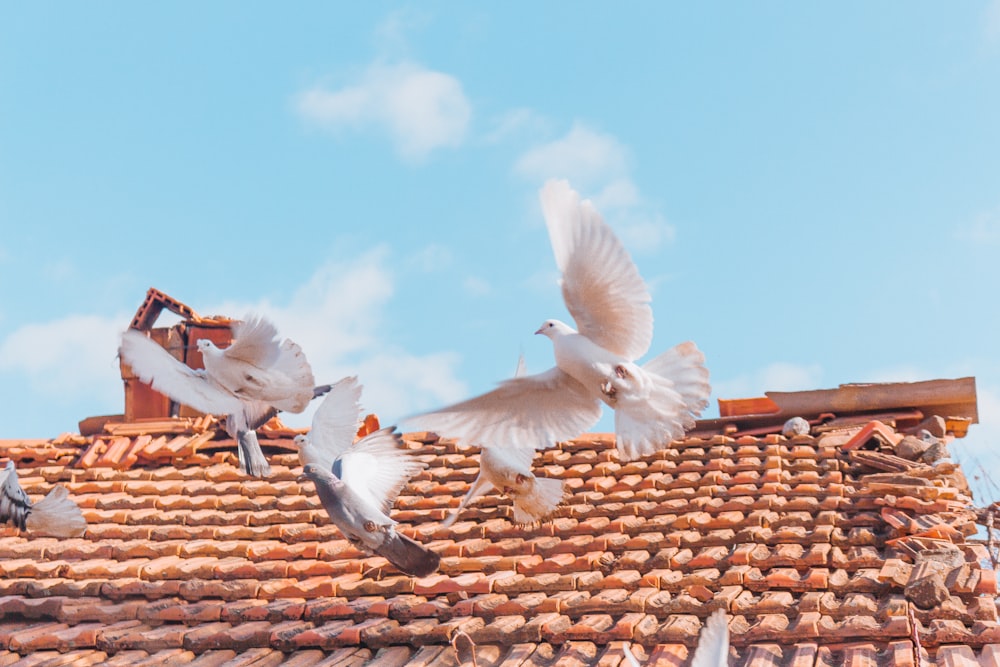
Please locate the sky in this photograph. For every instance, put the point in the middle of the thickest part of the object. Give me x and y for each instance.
(811, 190)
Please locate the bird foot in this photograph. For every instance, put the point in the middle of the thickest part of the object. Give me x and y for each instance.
(609, 390)
(370, 526)
(520, 478)
(621, 372)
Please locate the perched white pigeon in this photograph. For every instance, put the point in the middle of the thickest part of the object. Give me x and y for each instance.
(654, 403)
(55, 515)
(508, 469)
(357, 482)
(247, 382)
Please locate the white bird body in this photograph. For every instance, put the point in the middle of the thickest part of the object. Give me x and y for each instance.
(55, 515)
(654, 403)
(248, 382)
(358, 482)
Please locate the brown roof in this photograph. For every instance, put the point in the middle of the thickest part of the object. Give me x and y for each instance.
(824, 549)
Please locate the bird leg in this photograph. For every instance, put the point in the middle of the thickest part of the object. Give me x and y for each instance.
(622, 372)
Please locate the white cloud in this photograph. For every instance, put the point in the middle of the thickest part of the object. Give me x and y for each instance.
(991, 21)
(337, 317)
(985, 227)
(597, 166)
(588, 159)
(421, 109)
(516, 122)
(68, 356)
(477, 286)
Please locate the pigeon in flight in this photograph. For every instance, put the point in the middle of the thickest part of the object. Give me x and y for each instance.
(508, 469)
(713, 644)
(357, 482)
(653, 404)
(55, 515)
(248, 382)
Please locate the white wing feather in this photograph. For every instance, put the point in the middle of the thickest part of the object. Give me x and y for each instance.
(169, 376)
(531, 411)
(334, 425)
(255, 341)
(377, 467)
(713, 645)
(601, 285)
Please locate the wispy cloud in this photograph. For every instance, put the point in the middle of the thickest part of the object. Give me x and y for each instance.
(598, 165)
(984, 229)
(991, 21)
(337, 316)
(421, 109)
(65, 357)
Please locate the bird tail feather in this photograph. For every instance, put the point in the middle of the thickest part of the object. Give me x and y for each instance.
(678, 392)
(252, 459)
(56, 515)
(540, 502)
(408, 555)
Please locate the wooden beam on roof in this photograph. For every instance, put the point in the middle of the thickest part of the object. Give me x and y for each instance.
(949, 399)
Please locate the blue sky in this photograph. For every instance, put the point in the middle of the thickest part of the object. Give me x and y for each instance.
(811, 190)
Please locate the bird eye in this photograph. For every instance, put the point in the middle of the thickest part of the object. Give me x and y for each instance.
(551, 325)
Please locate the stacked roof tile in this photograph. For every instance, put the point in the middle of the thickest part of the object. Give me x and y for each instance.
(836, 548)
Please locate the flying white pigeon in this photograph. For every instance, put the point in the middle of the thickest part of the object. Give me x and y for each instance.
(358, 482)
(713, 644)
(654, 403)
(247, 382)
(55, 515)
(508, 469)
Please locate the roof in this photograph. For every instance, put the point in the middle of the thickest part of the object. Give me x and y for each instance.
(847, 546)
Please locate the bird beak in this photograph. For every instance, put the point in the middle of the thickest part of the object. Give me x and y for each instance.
(302, 478)
(540, 329)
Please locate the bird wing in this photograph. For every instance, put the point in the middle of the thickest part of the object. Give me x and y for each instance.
(377, 467)
(531, 411)
(601, 285)
(167, 375)
(334, 424)
(713, 645)
(255, 341)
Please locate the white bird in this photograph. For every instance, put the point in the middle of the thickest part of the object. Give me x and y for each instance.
(654, 403)
(247, 382)
(55, 515)
(713, 644)
(358, 482)
(508, 469)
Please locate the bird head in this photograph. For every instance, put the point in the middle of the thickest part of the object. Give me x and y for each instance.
(300, 441)
(311, 471)
(205, 345)
(553, 328)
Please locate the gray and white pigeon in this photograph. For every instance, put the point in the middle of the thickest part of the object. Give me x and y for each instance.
(247, 382)
(508, 469)
(358, 482)
(654, 403)
(55, 515)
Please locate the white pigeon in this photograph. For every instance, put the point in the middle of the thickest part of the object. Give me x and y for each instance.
(713, 644)
(55, 515)
(247, 382)
(358, 482)
(654, 403)
(508, 469)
